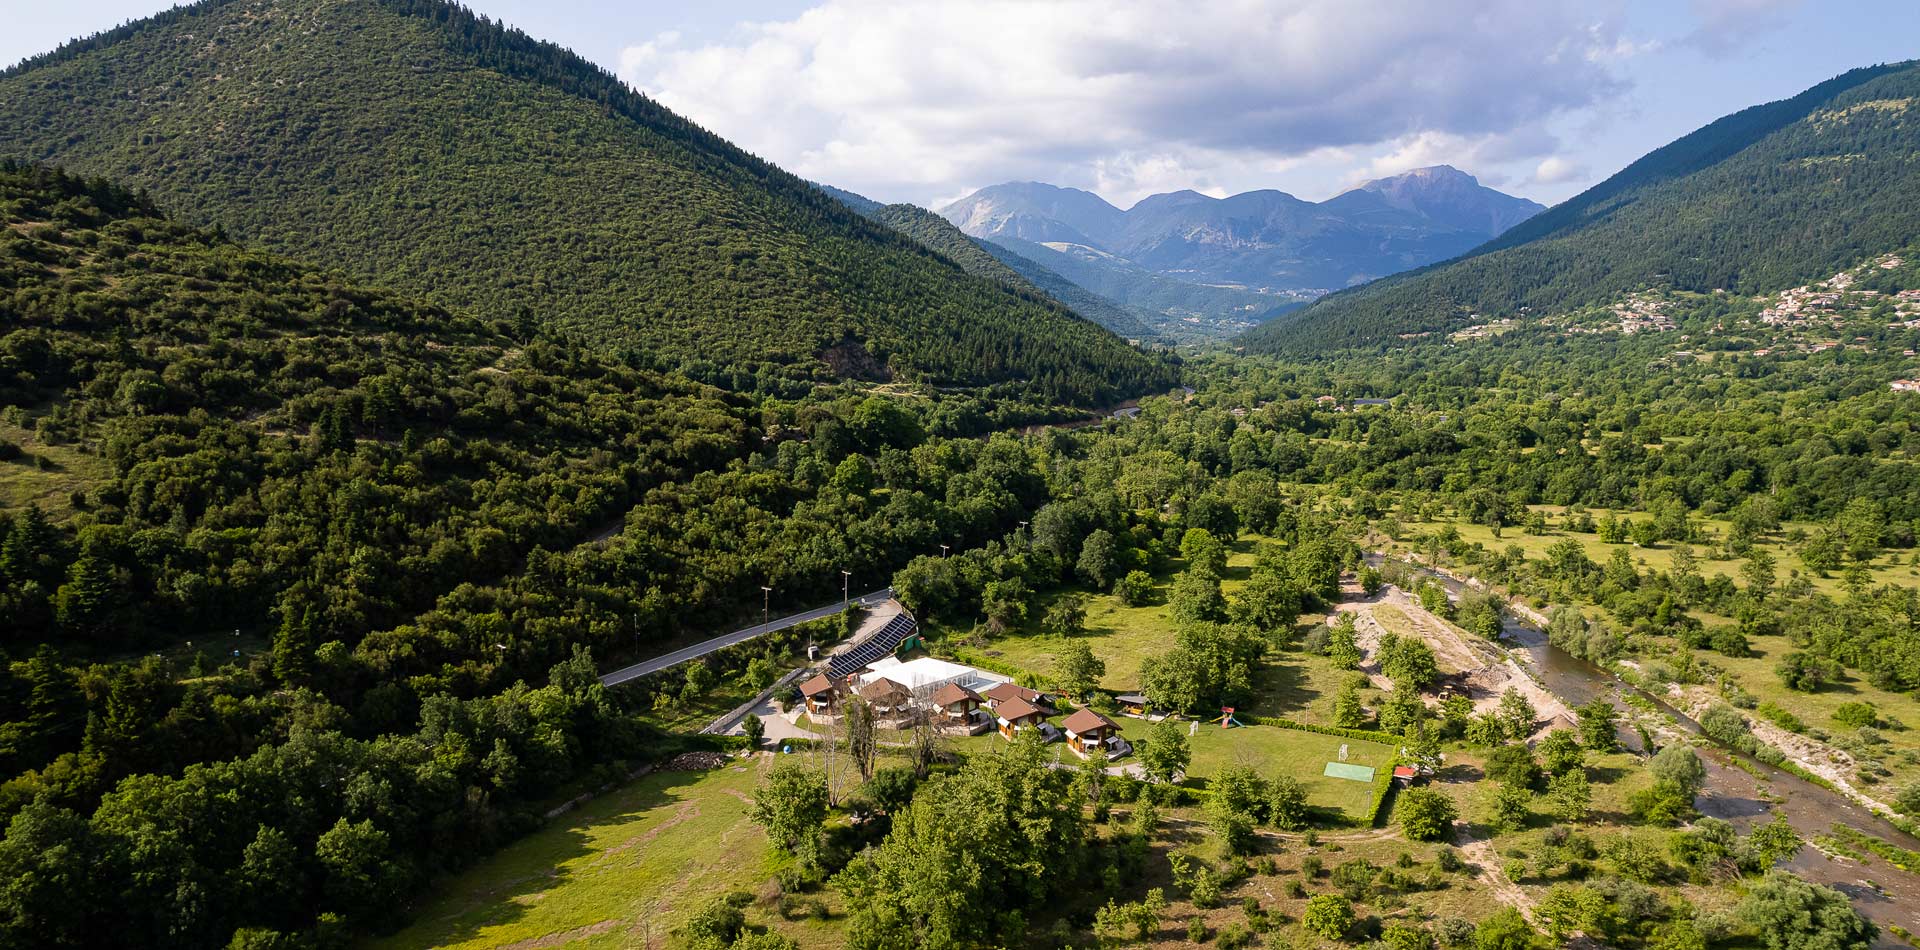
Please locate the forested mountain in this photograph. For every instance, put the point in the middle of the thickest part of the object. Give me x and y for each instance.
(398, 499)
(1266, 240)
(422, 147)
(1757, 201)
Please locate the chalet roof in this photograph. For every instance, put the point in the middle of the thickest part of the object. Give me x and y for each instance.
(1085, 720)
(953, 693)
(1017, 708)
(821, 683)
(885, 691)
(1405, 771)
(1004, 692)
(1132, 699)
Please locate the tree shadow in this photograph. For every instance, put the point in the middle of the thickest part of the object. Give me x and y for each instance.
(1280, 687)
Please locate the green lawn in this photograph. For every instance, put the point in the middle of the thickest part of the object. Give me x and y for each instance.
(622, 871)
(1274, 751)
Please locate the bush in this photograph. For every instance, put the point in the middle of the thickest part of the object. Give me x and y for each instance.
(1135, 589)
(1425, 814)
(1781, 716)
(1197, 930)
(1856, 715)
(1329, 915)
(1449, 860)
(1513, 765)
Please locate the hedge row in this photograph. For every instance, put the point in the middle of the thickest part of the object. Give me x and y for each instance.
(1364, 735)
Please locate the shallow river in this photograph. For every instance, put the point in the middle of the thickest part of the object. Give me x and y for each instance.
(1884, 893)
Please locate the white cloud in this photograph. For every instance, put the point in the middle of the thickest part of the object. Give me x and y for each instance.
(919, 99)
(1557, 169)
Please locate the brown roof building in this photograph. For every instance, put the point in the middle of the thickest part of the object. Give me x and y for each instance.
(1088, 732)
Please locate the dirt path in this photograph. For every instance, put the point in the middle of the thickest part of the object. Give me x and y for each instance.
(1486, 869)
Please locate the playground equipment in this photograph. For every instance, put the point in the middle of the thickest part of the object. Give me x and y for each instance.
(1226, 719)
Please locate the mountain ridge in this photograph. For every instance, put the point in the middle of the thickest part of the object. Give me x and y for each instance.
(1264, 240)
(1755, 201)
(421, 147)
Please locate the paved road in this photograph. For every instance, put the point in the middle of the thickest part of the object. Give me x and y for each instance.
(742, 635)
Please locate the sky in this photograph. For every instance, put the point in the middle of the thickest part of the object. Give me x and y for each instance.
(928, 100)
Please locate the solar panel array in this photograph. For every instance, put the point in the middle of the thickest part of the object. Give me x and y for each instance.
(874, 648)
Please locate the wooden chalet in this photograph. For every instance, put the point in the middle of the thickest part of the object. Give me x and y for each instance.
(887, 697)
(1090, 733)
(822, 693)
(1016, 714)
(955, 702)
(959, 708)
(1007, 692)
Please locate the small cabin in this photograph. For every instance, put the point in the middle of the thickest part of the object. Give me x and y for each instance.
(1133, 704)
(956, 702)
(1016, 714)
(1088, 732)
(1002, 693)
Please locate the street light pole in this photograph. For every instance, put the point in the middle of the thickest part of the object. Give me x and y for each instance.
(766, 605)
(943, 550)
(846, 578)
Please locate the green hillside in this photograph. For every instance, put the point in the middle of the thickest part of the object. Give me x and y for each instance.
(995, 263)
(261, 434)
(1763, 199)
(423, 148)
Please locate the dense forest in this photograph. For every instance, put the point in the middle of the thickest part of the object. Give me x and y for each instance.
(1758, 201)
(422, 147)
(406, 532)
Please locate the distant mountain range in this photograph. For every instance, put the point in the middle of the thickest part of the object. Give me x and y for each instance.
(1755, 202)
(1249, 254)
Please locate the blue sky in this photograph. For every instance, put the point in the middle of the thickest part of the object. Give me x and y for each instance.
(925, 100)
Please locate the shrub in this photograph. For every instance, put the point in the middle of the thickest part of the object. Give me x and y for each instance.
(1425, 814)
(1449, 860)
(1197, 930)
(1329, 915)
(1404, 937)
(1855, 715)
(1781, 716)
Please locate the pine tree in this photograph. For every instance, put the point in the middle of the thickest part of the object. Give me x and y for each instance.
(87, 600)
(293, 646)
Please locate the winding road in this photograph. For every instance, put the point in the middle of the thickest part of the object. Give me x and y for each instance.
(741, 635)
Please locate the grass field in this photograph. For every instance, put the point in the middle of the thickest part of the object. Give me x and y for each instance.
(46, 475)
(1273, 751)
(622, 871)
(1121, 636)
